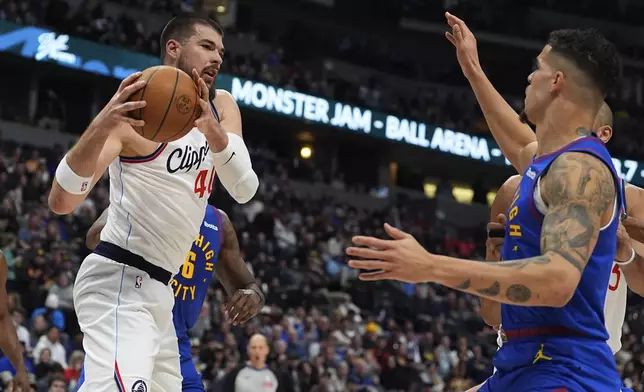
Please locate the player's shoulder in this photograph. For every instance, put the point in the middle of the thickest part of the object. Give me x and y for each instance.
(224, 99)
(214, 211)
(512, 182)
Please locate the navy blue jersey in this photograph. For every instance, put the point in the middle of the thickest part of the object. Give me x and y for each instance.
(585, 311)
(190, 285)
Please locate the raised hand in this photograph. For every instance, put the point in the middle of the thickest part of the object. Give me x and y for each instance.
(465, 42)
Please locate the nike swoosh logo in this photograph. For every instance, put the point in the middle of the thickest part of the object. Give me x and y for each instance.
(231, 157)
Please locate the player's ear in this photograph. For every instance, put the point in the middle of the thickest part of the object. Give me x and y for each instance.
(557, 81)
(173, 49)
(604, 132)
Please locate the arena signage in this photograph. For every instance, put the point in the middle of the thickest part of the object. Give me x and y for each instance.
(44, 45)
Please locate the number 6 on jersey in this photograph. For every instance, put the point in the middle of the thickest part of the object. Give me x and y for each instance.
(200, 182)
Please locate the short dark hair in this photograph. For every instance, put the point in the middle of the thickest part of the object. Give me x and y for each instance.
(181, 27)
(591, 52)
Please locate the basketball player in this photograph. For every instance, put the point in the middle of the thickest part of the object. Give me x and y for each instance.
(9, 343)
(158, 198)
(518, 143)
(216, 249)
(562, 231)
(491, 311)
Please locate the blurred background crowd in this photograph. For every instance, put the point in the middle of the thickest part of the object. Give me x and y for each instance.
(327, 331)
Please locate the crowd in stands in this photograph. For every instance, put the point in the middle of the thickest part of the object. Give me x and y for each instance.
(327, 330)
(324, 326)
(302, 59)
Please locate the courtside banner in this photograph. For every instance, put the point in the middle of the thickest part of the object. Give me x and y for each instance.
(45, 45)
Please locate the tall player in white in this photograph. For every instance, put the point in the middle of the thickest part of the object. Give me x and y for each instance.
(518, 144)
(158, 197)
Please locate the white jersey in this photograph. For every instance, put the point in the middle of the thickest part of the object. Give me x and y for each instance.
(157, 203)
(614, 310)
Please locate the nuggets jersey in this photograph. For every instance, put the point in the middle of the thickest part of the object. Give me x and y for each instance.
(615, 304)
(190, 285)
(157, 202)
(614, 310)
(585, 311)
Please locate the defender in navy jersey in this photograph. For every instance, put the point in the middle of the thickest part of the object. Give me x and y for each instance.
(215, 251)
(561, 232)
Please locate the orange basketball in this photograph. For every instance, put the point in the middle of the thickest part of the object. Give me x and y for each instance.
(172, 104)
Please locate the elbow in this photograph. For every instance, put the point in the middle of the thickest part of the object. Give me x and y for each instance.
(92, 239)
(57, 205)
(57, 201)
(246, 188)
(560, 288)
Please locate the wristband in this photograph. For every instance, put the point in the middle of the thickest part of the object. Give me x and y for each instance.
(70, 181)
(630, 260)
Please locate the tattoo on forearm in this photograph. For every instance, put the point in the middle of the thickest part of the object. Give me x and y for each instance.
(520, 264)
(463, 286)
(518, 293)
(491, 291)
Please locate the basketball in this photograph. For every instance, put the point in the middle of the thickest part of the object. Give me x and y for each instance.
(172, 104)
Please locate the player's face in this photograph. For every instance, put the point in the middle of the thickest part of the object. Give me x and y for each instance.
(539, 92)
(204, 51)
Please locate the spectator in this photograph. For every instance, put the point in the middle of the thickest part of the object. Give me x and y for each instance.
(51, 342)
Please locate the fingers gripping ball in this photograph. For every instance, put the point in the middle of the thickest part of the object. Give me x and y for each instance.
(172, 104)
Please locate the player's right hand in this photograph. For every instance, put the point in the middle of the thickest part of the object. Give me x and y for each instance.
(494, 244)
(465, 42)
(116, 110)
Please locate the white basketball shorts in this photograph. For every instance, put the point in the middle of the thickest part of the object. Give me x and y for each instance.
(129, 338)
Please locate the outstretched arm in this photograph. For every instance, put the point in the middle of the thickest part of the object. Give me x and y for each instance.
(93, 236)
(233, 273)
(579, 190)
(515, 138)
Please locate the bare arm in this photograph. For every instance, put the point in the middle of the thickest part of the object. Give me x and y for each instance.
(229, 113)
(491, 310)
(515, 138)
(634, 272)
(93, 236)
(9, 343)
(580, 191)
(103, 148)
(99, 145)
(231, 270)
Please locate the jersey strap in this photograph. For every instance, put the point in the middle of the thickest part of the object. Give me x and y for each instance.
(214, 110)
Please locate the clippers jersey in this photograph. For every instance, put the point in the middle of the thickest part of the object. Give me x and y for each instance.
(157, 202)
(615, 306)
(585, 311)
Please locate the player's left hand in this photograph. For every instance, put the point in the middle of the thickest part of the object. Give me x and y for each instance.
(21, 381)
(244, 305)
(207, 123)
(402, 258)
(624, 246)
